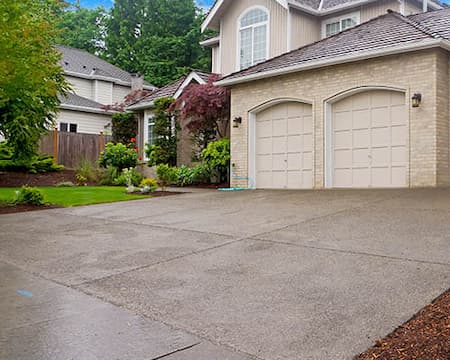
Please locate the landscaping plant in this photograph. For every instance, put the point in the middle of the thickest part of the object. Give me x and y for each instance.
(129, 178)
(217, 158)
(149, 185)
(108, 175)
(87, 171)
(167, 175)
(119, 155)
(124, 127)
(29, 196)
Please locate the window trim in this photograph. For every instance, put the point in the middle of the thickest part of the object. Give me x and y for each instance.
(354, 15)
(148, 120)
(238, 33)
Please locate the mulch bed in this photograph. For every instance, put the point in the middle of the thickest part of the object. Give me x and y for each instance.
(17, 179)
(159, 193)
(425, 337)
(24, 208)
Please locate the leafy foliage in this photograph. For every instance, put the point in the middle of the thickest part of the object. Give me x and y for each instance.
(124, 127)
(29, 196)
(35, 164)
(166, 175)
(183, 175)
(119, 156)
(205, 110)
(82, 28)
(86, 172)
(29, 89)
(164, 150)
(158, 38)
(149, 185)
(129, 177)
(108, 175)
(217, 157)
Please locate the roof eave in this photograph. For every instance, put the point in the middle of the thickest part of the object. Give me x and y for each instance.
(423, 45)
(105, 78)
(86, 109)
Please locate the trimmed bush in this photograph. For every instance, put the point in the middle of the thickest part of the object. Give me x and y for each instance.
(29, 196)
(166, 175)
(217, 157)
(118, 155)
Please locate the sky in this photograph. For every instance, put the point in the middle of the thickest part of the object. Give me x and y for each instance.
(108, 3)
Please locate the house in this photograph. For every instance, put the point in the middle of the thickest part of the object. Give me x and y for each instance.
(252, 31)
(144, 110)
(95, 83)
(367, 107)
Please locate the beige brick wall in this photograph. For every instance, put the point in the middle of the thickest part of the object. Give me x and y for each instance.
(412, 72)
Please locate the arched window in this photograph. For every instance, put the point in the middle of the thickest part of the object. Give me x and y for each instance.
(253, 39)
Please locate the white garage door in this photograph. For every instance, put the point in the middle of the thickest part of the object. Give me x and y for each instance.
(284, 147)
(369, 147)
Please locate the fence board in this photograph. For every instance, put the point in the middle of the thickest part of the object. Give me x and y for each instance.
(74, 147)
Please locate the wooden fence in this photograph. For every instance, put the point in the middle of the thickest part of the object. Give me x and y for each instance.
(71, 148)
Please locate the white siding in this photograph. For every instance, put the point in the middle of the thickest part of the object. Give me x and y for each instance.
(103, 92)
(305, 29)
(215, 68)
(88, 123)
(413, 7)
(82, 87)
(119, 93)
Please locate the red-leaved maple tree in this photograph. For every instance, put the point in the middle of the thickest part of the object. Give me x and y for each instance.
(204, 109)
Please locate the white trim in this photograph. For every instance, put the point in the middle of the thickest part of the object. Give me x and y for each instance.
(289, 30)
(210, 42)
(252, 114)
(147, 117)
(391, 50)
(253, 26)
(213, 12)
(328, 120)
(356, 16)
(192, 76)
(86, 109)
(105, 78)
(402, 7)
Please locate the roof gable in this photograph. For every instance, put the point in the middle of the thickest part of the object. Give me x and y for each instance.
(377, 36)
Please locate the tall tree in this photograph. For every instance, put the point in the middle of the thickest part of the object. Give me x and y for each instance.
(157, 38)
(82, 28)
(30, 75)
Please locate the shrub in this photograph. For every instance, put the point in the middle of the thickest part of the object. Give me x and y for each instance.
(149, 185)
(65, 184)
(81, 179)
(29, 196)
(108, 175)
(217, 157)
(128, 177)
(87, 170)
(124, 127)
(119, 156)
(166, 175)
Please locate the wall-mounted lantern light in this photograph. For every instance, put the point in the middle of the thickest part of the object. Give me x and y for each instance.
(416, 100)
(237, 121)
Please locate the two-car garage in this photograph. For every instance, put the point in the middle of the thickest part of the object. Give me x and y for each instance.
(365, 142)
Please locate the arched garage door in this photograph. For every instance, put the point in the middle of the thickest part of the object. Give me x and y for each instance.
(284, 147)
(369, 140)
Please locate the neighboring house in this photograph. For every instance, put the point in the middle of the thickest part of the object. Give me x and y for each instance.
(95, 83)
(144, 110)
(252, 31)
(366, 108)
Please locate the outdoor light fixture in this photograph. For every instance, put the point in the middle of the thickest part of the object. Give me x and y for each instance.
(237, 121)
(416, 100)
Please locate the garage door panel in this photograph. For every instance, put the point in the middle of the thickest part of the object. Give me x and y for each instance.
(264, 129)
(398, 135)
(295, 143)
(361, 138)
(280, 161)
(342, 121)
(307, 179)
(380, 117)
(307, 163)
(369, 140)
(361, 119)
(279, 127)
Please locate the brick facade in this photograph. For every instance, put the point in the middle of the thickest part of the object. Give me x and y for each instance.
(425, 72)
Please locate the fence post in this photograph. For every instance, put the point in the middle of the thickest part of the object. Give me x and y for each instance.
(101, 144)
(55, 145)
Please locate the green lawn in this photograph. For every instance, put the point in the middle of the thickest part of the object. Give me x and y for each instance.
(76, 196)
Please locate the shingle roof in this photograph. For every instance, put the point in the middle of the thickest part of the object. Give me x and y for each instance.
(82, 62)
(382, 32)
(328, 4)
(72, 99)
(171, 89)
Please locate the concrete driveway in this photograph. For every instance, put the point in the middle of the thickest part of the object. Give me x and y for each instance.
(210, 275)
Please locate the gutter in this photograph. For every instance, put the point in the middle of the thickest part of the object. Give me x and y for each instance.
(423, 45)
(86, 109)
(142, 106)
(105, 78)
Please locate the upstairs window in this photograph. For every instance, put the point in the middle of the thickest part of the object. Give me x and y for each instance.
(253, 37)
(333, 26)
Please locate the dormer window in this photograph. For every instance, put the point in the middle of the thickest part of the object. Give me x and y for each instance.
(253, 37)
(335, 25)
